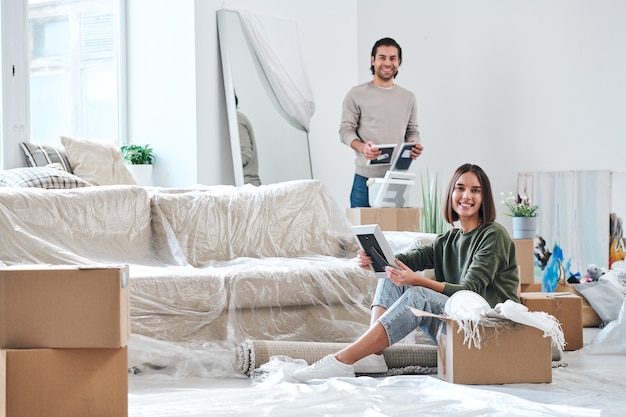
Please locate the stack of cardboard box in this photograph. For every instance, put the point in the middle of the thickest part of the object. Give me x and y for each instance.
(525, 254)
(63, 339)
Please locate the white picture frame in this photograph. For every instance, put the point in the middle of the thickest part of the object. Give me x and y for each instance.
(402, 159)
(373, 242)
(386, 155)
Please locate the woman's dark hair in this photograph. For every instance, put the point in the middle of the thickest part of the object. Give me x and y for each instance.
(386, 42)
(487, 212)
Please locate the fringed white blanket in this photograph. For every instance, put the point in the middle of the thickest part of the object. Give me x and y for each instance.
(471, 312)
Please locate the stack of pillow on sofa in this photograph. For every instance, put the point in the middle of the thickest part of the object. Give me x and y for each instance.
(77, 163)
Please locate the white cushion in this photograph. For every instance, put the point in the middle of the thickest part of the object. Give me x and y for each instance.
(97, 161)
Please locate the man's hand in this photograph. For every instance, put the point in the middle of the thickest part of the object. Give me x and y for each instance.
(416, 150)
(371, 151)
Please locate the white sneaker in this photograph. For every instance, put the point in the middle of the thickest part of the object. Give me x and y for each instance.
(327, 367)
(372, 364)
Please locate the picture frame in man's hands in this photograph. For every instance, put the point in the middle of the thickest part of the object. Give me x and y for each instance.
(386, 155)
(373, 242)
(402, 160)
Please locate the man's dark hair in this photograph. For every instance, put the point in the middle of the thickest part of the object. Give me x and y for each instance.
(386, 42)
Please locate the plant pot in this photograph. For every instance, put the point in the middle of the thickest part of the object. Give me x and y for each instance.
(142, 173)
(524, 227)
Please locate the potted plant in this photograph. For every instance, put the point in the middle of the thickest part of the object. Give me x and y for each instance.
(432, 220)
(139, 160)
(524, 215)
(138, 155)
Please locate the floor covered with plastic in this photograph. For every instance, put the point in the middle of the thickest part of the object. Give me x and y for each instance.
(589, 382)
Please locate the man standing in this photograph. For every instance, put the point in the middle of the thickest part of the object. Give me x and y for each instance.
(378, 112)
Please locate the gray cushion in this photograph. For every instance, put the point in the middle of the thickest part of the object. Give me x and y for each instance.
(42, 155)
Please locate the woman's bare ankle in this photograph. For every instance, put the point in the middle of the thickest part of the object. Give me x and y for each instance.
(341, 357)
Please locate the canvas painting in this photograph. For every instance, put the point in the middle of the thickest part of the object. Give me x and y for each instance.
(617, 241)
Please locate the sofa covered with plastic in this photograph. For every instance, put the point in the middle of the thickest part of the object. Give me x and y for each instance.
(210, 266)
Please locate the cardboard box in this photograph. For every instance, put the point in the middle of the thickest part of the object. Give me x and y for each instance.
(64, 382)
(590, 317)
(565, 307)
(507, 355)
(404, 219)
(534, 287)
(525, 254)
(64, 307)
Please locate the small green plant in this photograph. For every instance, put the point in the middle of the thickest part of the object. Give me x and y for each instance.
(138, 155)
(519, 206)
(432, 220)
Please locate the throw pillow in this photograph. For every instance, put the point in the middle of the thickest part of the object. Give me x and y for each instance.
(40, 177)
(42, 155)
(97, 161)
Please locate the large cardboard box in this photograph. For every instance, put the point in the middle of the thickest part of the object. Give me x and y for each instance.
(565, 307)
(404, 219)
(525, 254)
(512, 354)
(64, 307)
(64, 382)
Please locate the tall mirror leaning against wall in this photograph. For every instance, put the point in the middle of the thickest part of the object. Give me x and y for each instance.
(281, 138)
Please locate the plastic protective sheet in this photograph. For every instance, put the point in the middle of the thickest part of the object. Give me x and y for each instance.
(210, 266)
(612, 338)
(392, 396)
(586, 386)
(286, 73)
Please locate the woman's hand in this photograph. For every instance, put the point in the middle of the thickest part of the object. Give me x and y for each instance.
(363, 260)
(403, 276)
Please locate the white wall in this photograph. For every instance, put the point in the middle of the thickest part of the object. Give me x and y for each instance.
(162, 86)
(14, 120)
(509, 85)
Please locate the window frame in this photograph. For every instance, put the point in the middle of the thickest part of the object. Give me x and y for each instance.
(15, 89)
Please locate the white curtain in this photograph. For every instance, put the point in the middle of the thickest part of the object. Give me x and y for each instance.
(275, 45)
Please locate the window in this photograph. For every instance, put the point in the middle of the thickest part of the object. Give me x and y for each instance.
(73, 69)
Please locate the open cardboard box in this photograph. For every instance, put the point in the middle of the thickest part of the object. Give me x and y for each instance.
(508, 354)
